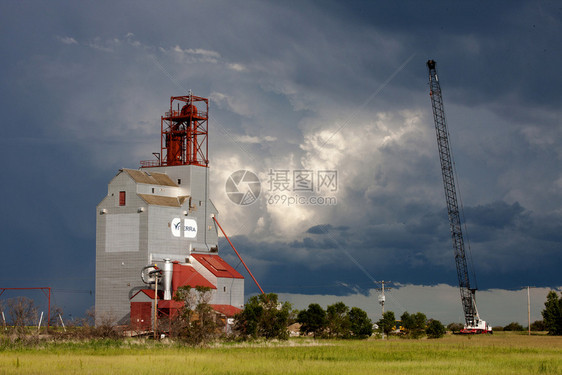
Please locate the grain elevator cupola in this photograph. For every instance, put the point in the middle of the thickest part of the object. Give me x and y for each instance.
(183, 133)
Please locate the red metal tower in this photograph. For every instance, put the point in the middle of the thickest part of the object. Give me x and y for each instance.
(184, 133)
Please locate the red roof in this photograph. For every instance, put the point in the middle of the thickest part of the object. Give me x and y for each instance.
(186, 275)
(170, 304)
(227, 310)
(148, 292)
(217, 266)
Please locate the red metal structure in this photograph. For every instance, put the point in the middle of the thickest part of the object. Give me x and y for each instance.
(239, 257)
(184, 133)
(45, 290)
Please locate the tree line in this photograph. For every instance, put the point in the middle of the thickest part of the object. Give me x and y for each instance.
(263, 317)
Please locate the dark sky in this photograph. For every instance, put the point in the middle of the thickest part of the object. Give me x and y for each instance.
(315, 86)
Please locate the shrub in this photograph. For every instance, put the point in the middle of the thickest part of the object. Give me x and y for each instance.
(455, 327)
(513, 326)
(414, 324)
(264, 316)
(196, 322)
(105, 329)
(538, 325)
(435, 329)
(22, 313)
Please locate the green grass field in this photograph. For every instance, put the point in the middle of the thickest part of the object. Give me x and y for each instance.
(498, 354)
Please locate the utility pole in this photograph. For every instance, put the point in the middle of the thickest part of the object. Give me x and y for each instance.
(154, 326)
(382, 297)
(529, 309)
(157, 277)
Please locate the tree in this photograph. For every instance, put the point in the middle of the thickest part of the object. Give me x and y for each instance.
(455, 327)
(387, 322)
(361, 325)
(414, 324)
(55, 319)
(538, 325)
(338, 320)
(264, 316)
(513, 326)
(22, 313)
(313, 320)
(552, 313)
(435, 329)
(196, 321)
(105, 327)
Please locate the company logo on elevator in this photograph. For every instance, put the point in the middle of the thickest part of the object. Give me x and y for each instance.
(189, 227)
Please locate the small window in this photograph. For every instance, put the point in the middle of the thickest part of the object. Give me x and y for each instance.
(224, 289)
(179, 181)
(122, 198)
(152, 190)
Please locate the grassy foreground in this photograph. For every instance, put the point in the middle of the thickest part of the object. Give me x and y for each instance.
(497, 354)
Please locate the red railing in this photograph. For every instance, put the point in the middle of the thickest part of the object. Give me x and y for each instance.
(150, 163)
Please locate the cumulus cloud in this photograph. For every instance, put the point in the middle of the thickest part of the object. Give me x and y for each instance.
(237, 67)
(198, 55)
(255, 139)
(67, 40)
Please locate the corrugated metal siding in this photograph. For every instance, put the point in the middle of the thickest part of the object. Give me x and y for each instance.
(229, 292)
(122, 232)
(118, 272)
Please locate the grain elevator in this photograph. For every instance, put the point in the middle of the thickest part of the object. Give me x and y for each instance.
(160, 216)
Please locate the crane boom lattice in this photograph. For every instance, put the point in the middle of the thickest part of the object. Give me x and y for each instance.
(467, 291)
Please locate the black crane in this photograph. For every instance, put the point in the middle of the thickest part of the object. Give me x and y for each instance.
(473, 323)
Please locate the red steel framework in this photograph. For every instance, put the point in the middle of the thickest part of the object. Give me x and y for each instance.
(184, 133)
(45, 290)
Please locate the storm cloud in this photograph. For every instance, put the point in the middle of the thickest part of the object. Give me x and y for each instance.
(297, 86)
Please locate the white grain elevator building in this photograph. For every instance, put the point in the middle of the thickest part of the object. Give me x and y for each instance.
(161, 214)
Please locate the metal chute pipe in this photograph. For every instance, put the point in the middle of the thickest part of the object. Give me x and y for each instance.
(167, 279)
(239, 257)
(150, 273)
